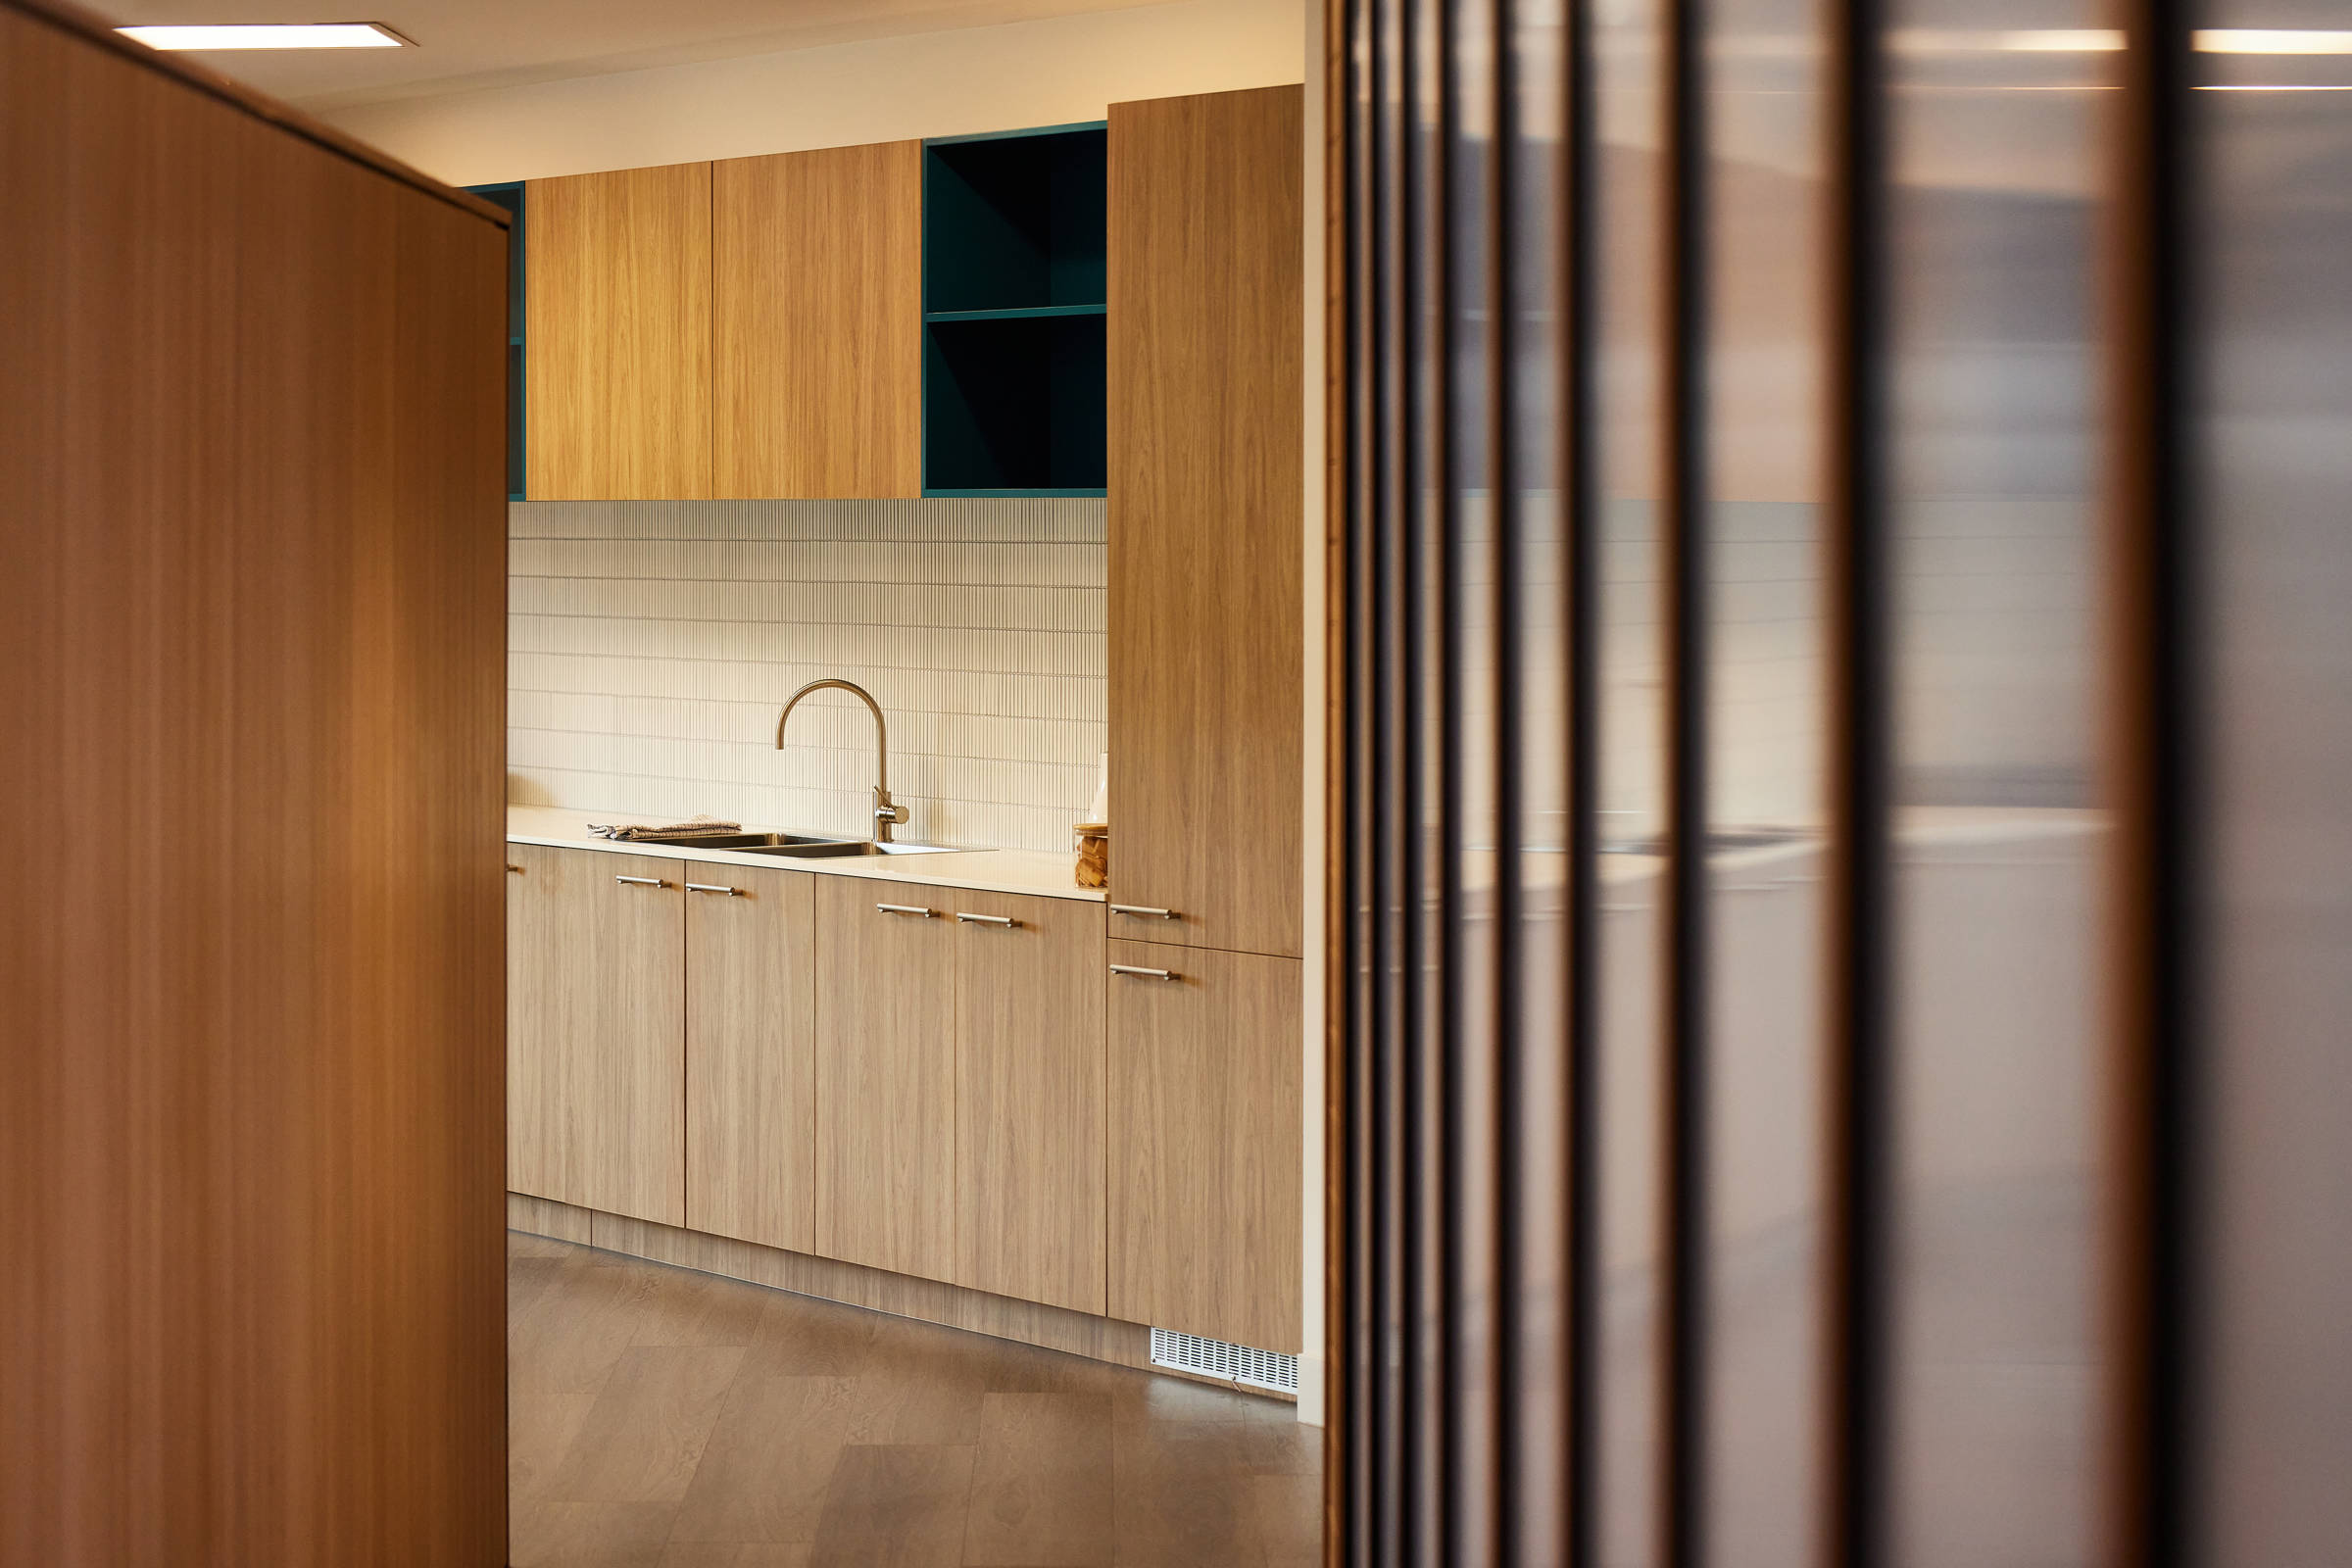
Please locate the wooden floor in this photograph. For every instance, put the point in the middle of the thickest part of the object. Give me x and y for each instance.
(667, 1419)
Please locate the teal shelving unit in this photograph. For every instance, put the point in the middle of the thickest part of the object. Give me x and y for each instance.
(510, 197)
(1014, 294)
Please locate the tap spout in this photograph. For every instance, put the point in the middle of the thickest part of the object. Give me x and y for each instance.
(885, 813)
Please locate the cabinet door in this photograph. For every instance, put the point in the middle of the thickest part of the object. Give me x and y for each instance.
(1204, 1140)
(596, 1051)
(819, 273)
(750, 1054)
(1031, 1197)
(1207, 423)
(617, 292)
(886, 1075)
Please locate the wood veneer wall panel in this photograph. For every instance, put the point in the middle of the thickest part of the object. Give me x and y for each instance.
(819, 297)
(251, 973)
(618, 336)
(1206, 440)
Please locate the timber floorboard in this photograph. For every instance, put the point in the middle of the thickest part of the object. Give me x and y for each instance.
(662, 1418)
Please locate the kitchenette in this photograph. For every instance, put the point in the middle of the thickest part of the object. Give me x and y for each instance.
(879, 516)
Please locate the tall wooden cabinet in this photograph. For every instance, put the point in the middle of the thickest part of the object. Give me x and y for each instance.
(617, 295)
(750, 1054)
(1207, 549)
(819, 301)
(595, 1059)
(1206, 712)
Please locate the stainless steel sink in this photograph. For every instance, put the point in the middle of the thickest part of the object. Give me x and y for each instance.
(763, 841)
(835, 849)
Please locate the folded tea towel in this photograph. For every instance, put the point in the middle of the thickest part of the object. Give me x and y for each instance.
(628, 831)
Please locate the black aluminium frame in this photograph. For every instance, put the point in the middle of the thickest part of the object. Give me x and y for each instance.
(1409, 1403)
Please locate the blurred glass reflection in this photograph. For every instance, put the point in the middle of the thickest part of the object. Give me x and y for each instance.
(1630, 648)
(1766, 680)
(2276, 261)
(1998, 844)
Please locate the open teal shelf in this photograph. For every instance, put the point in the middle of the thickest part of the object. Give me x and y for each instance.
(1024, 495)
(1019, 313)
(1014, 291)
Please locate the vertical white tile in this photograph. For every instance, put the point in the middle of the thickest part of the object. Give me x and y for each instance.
(651, 644)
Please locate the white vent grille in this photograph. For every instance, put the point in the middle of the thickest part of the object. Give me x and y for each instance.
(1238, 1363)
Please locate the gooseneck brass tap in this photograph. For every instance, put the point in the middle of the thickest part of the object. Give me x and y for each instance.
(885, 813)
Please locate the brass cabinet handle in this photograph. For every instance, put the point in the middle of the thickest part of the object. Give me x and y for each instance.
(642, 881)
(1142, 912)
(714, 887)
(515, 869)
(905, 909)
(1145, 974)
(1004, 920)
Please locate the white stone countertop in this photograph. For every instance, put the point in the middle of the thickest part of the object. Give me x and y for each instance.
(1030, 871)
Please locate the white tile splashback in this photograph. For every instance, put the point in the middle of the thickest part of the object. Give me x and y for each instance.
(651, 644)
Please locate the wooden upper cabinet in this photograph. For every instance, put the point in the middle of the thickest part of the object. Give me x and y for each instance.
(617, 295)
(596, 1004)
(886, 1075)
(1205, 1144)
(1206, 433)
(750, 1054)
(821, 307)
(1030, 1112)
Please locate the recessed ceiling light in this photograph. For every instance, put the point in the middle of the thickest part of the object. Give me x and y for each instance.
(272, 35)
(2272, 41)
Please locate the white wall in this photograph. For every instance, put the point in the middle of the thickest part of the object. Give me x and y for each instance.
(1044, 72)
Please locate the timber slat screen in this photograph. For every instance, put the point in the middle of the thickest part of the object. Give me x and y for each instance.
(1847, 886)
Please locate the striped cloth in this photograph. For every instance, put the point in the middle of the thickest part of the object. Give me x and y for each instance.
(626, 832)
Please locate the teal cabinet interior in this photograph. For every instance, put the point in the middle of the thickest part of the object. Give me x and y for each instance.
(1014, 289)
(510, 197)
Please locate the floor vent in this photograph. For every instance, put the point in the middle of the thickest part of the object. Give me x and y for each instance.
(1214, 1358)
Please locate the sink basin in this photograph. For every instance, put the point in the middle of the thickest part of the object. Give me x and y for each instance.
(763, 841)
(835, 849)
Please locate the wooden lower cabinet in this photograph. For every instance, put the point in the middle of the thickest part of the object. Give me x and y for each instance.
(886, 1075)
(1031, 1100)
(1205, 1144)
(596, 1113)
(750, 1054)
(938, 1081)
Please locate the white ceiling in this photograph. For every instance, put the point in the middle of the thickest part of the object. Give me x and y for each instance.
(468, 44)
